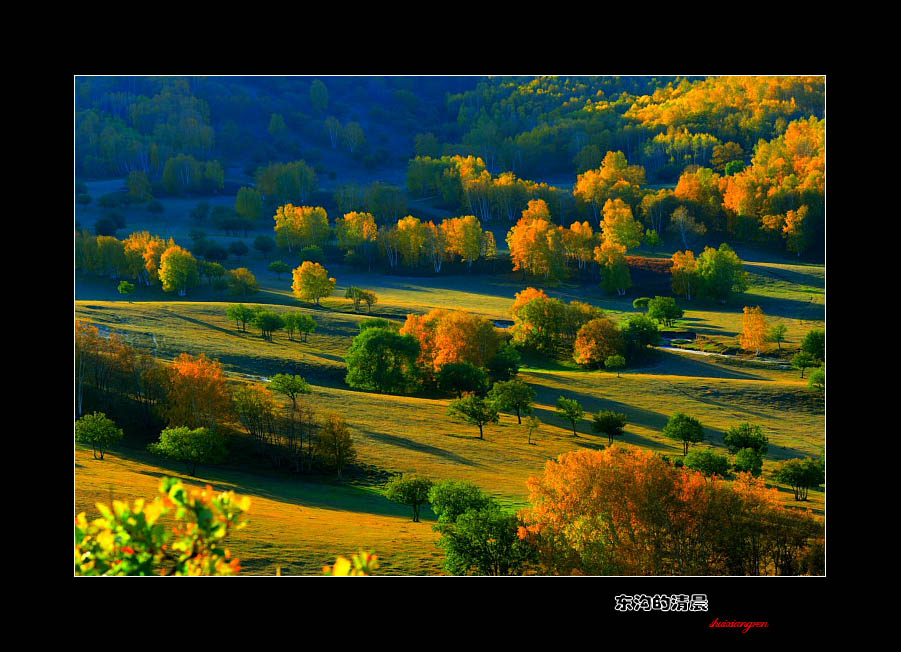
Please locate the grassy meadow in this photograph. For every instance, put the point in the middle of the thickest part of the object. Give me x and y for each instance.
(299, 524)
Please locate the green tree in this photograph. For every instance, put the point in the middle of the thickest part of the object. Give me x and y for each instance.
(249, 204)
(746, 435)
(684, 429)
(241, 314)
(451, 498)
(609, 423)
(776, 334)
(817, 379)
(279, 268)
(382, 360)
(264, 244)
(484, 542)
(720, 273)
(98, 430)
(513, 396)
(616, 362)
(459, 377)
(191, 447)
(532, 424)
(640, 333)
(571, 410)
(664, 310)
(801, 475)
(504, 365)
(814, 343)
(291, 386)
(409, 489)
(707, 462)
(126, 288)
(268, 322)
(641, 303)
(474, 410)
(748, 460)
(803, 360)
(336, 446)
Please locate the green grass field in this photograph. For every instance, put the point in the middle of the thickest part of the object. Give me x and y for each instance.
(299, 524)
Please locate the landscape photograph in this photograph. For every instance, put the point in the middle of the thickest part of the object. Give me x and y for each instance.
(450, 325)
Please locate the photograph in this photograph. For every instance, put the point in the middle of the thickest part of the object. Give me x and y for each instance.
(536, 326)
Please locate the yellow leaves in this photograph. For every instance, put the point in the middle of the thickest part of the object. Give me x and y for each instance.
(754, 327)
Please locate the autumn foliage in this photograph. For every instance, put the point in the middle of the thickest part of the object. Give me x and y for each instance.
(629, 512)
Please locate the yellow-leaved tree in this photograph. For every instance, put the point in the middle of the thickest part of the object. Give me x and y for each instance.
(312, 282)
(753, 335)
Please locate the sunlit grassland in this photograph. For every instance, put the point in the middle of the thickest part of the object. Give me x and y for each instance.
(292, 525)
(300, 524)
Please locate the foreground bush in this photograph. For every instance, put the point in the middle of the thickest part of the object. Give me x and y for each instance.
(131, 540)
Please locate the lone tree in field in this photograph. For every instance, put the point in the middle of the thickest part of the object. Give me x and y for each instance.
(290, 386)
(126, 288)
(409, 489)
(685, 429)
(279, 268)
(513, 396)
(192, 447)
(746, 435)
(98, 430)
(776, 334)
(615, 362)
(474, 410)
(664, 310)
(609, 423)
(754, 330)
(532, 424)
(312, 282)
(335, 445)
(803, 360)
(571, 410)
(241, 314)
(370, 299)
(801, 474)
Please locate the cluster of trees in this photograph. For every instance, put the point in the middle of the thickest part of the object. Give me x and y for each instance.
(452, 352)
(638, 514)
(120, 131)
(193, 400)
(551, 327)
(293, 436)
(464, 182)
(409, 242)
(269, 321)
(151, 261)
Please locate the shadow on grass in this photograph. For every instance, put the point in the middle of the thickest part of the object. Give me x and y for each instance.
(409, 444)
(694, 365)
